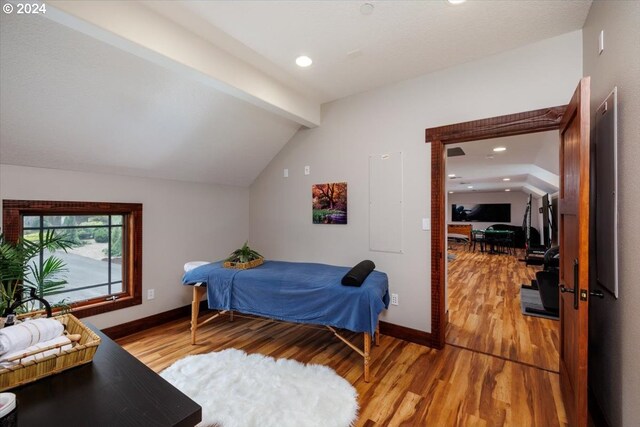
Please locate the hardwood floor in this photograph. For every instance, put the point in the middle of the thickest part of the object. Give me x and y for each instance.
(485, 314)
(411, 385)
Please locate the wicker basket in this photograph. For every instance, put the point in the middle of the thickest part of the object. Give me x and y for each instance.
(243, 265)
(33, 370)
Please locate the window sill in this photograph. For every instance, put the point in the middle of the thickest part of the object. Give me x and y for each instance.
(95, 308)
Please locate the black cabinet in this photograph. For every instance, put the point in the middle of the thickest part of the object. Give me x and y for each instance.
(115, 390)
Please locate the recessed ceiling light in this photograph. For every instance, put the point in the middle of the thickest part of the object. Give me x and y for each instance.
(303, 61)
(499, 149)
(470, 186)
(450, 192)
(452, 175)
(507, 189)
(489, 156)
(456, 1)
(506, 179)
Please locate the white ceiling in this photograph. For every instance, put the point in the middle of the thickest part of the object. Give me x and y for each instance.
(207, 91)
(71, 102)
(399, 40)
(531, 162)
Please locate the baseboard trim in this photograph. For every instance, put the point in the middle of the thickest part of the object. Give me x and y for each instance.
(128, 328)
(595, 411)
(407, 334)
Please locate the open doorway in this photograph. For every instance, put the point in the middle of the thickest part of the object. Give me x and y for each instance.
(499, 227)
(542, 120)
(574, 225)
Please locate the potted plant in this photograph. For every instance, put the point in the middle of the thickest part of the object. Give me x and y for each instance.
(243, 258)
(22, 279)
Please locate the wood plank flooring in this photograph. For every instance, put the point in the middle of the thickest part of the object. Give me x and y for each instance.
(411, 385)
(485, 314)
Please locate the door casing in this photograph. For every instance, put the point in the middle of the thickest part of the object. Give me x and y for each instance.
(545, 119)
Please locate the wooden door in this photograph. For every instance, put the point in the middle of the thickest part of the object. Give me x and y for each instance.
(574, 212)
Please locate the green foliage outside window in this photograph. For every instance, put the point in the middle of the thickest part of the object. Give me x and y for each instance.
(20, 270)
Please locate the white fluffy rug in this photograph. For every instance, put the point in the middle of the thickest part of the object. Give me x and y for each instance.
(240, 390)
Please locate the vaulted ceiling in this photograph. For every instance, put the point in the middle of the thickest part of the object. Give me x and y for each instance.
(354, 52)
(71, 102)
(208, 91)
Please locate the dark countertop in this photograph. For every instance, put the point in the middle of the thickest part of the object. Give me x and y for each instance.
(115, 390)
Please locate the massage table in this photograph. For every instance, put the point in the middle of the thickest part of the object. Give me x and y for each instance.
(305, 293)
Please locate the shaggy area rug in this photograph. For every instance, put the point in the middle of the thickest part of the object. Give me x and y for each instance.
(236, 389)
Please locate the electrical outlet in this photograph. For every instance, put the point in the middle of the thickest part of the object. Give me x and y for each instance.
(394, 299)
(151, 293)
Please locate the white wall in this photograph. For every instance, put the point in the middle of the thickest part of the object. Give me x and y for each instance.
(517, 199)
(394, 118)
(614, 365)
(182, 221)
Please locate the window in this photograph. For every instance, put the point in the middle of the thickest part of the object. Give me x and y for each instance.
(104, 264)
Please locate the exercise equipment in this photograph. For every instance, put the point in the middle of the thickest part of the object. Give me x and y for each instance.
(546, 285)
(550, 262)
(534, 251)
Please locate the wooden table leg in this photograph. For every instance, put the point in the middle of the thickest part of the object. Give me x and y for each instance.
(367, 357)
(377, 340)
(230, 315)
(198, 291)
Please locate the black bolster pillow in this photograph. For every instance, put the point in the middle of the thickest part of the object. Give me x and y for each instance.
(357, 275)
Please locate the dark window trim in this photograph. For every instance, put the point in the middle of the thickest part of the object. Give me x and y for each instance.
(14, 210)
(69, 227)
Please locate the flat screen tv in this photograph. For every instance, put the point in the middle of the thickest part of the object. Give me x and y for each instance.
(483, 212)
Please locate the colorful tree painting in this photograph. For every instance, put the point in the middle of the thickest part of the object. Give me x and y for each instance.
(329, 203)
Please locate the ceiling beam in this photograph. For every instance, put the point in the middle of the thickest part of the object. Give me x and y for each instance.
(136, 29)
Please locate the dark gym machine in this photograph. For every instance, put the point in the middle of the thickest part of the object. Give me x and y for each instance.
(535, 251)
(546, 283)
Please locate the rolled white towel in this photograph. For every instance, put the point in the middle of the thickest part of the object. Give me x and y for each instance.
(30, 332)
(66, 345)
(194, 264)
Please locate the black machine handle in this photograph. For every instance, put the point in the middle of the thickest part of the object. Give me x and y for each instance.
(573, 290)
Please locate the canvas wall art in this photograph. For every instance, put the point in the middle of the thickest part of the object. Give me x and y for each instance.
(329, 203)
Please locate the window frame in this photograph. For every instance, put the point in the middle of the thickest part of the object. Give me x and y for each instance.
(13, 212)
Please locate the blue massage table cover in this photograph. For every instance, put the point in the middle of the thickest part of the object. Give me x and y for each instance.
(295, 292)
